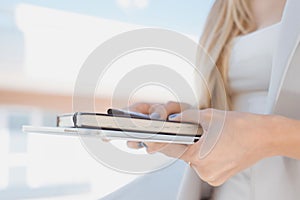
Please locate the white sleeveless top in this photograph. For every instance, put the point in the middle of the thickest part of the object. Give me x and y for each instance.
(250, 69)
(249, 76)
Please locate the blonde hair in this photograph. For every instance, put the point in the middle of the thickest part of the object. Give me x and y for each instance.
(227, 19)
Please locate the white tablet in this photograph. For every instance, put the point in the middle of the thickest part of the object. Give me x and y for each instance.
(113, 134)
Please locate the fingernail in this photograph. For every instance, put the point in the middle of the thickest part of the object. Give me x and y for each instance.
(142, 144)
(155, 116)
(172, 116)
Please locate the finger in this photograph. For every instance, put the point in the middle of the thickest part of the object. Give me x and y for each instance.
(104, 139)
(140, 107)
(169, 149)
(134, 145)
(162, 111)
(157, 111)
(202, 117)
(153, 147)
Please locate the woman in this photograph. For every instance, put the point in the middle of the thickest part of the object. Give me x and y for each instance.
(256, 156)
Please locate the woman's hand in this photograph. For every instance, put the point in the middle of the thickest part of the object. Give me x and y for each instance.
(242, 140)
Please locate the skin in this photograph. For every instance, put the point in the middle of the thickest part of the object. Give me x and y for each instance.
(244, 139)
(267, 12)
(240, 145)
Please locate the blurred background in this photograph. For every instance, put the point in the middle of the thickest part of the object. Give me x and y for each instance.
(43, 44)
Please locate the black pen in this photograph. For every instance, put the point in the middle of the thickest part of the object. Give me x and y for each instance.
(126, 113)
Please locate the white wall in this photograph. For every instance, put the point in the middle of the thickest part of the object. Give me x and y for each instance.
(56, 43)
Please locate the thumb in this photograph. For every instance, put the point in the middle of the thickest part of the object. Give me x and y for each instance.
(195, 116)
(161, 111)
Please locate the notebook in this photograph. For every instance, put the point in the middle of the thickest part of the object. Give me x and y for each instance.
(119, 124)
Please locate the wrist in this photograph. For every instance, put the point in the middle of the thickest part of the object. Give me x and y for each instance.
(283, 136)
(273, 134)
